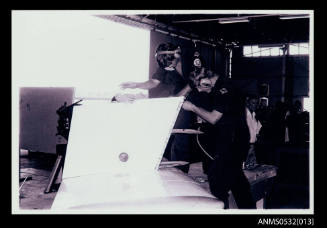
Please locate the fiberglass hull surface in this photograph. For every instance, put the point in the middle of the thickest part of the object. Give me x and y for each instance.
(164, 191)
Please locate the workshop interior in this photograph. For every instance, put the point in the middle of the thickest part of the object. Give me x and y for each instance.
(82, 143)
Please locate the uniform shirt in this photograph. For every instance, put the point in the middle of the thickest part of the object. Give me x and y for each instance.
(217, 138)
(171, 82)
(215, 100)
(253, 124)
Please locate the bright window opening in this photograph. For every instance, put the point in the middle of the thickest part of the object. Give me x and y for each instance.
(303, 49)
(294, 49)
(247, 50)
(307, 104)
(77, 49)
(255, 51)
(275, 51)
(265, 52)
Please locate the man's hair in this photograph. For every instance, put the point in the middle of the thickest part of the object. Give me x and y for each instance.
(165, 54)
(205, 73)
(209, 74)
(196, 76)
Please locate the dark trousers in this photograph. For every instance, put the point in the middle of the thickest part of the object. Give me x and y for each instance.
(184, 149)
(224, 174)
(225, 171)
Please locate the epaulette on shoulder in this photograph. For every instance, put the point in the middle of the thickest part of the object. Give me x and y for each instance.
(223, 90)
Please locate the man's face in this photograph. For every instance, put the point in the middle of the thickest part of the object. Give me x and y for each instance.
(197, 63)
(175, 61)
(263, 103)
(205, 85)
(252, 104)
(177, 56)
(169, 58)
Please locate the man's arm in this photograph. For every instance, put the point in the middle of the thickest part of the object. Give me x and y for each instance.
(184, 91)
(151, 83)
(212, 117)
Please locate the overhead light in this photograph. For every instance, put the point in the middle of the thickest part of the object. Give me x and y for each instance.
(270, 45)
(161, 31)
(287, 17)
(233, 21)
(185, 38)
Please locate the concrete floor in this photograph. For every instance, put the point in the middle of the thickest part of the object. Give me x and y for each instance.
(32, 194)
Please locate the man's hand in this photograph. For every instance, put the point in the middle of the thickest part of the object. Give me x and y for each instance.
(211, 117)
(128, 98)
(188, 106)
(128, 85)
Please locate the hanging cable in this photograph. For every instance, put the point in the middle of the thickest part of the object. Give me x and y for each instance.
(23, 183)
(204, 151)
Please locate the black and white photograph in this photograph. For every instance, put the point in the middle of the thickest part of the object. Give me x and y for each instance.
(162, 112)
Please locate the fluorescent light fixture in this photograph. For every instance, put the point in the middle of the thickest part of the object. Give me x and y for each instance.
(161, 31)
(233, 21)
(270, 45)
(185, 38)
(287, 17)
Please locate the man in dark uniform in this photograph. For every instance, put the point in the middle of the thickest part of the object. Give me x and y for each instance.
(168, 80)
(211, 102)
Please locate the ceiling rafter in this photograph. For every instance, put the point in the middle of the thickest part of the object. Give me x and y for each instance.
(260, 29)
(145, 22)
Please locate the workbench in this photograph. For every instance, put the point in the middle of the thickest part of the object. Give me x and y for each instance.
(261, 180)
